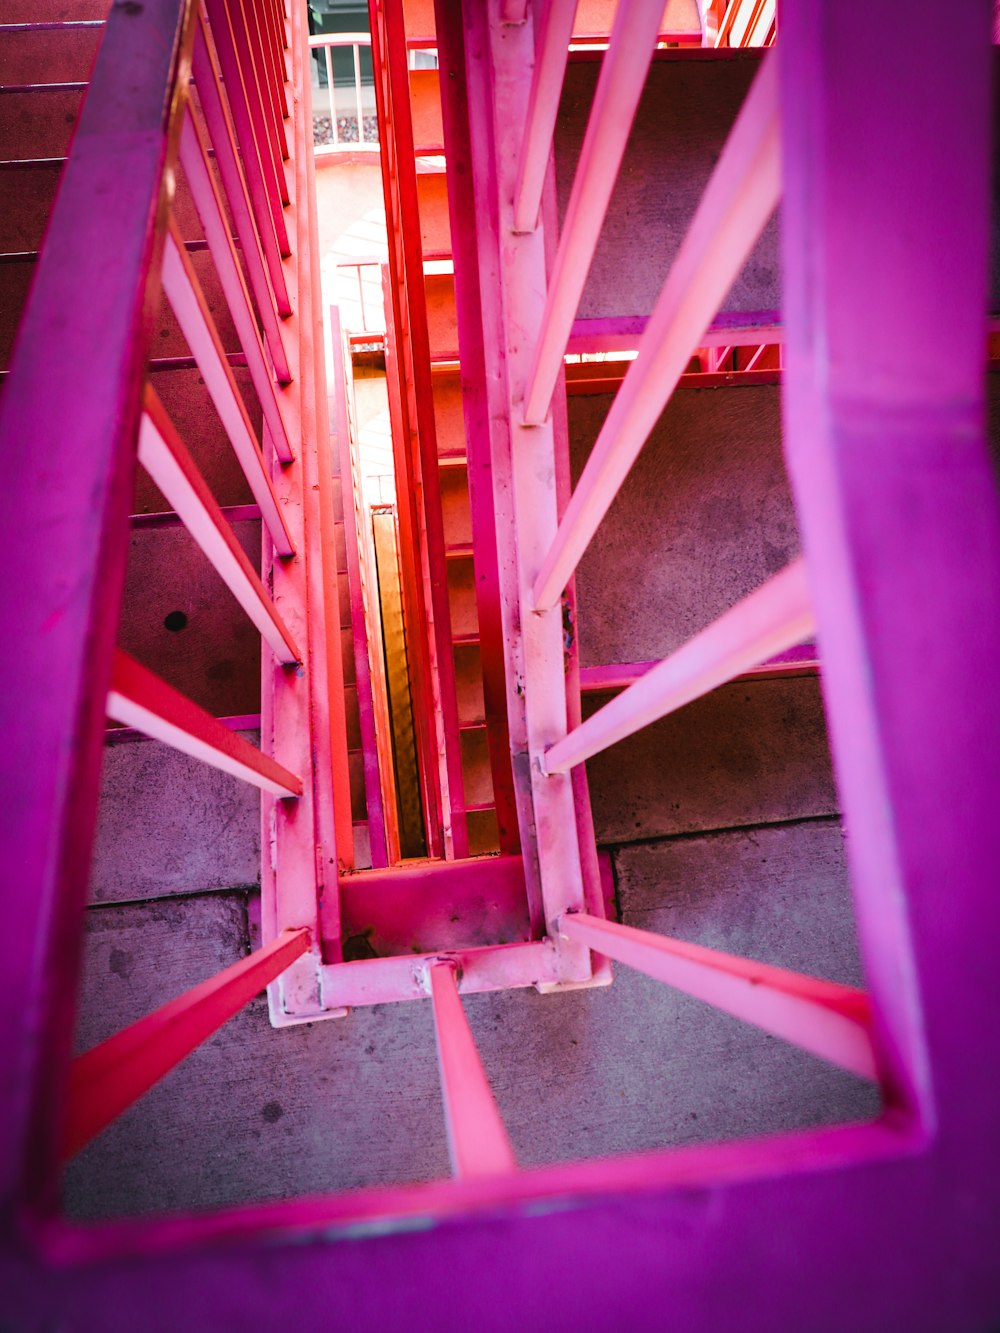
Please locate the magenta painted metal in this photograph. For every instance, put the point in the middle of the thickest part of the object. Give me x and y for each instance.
(553, 31)
(68, 419)
(166, 458)
(267, 280)
(194, 157)
(355, 518)
(478, 459)
(138, 698)
(823, 1017)
(188, 303)
(107, 1079)
(737, 203)
(303, 714)
(477, 1140)
(616, 99)
(778, 615)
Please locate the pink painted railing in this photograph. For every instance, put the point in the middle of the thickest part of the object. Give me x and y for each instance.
(78, 390)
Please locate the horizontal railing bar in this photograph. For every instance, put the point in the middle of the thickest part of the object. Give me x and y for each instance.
(108, 1079)
(799, 660)
(139, 698)
(477, 1140)
(822, 1017)
(189, 305)
(165, 457)
(234, 722)
(212, 213)
(169, 519)
(776, 616)
(551, 54)
(739, 199)
(616, 99)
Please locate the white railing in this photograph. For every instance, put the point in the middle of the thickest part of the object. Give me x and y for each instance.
(357, 104)
(360, 102)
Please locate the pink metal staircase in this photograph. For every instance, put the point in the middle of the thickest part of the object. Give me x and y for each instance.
(846, 1226)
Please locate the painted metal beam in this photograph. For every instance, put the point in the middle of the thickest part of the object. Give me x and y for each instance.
(616, 99)
(778, 615)
(477, 1139)
(188, 302)
(512, 271)
(68, 420)
(211, 210)
(165, 457)
(139, 698)
(107, 1079)
(738, 201)
(823, 1017)
(552, 38)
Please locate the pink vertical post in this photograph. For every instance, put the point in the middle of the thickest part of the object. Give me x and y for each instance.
(106, 1080)
(885, 226)
(512, 271)
(619, 88)
(477, 1139)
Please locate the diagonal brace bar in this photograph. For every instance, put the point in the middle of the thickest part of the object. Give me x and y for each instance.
(543, 106)
(139, 698)
(740, 197)
(616, 99)
(477, 1139)
(778, 615)
(193, 315)
(165, 457)
(106, 1080)
(822, 1017)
